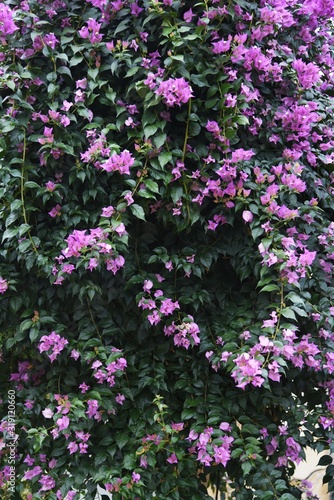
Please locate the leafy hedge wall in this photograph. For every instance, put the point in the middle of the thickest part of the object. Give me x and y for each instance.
(166, 266)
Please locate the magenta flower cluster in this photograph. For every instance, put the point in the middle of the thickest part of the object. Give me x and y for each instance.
(267, 359)
(158, 305)
(106, 372)
(91, 248)
(293, 255)
(185, 333)
(3, 285)
(53, 343)
(7, 24)
(175, 91)
(212, 445)
(120, 163)
(91, 32)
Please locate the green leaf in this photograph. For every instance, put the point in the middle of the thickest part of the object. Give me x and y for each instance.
(242, 120)
(16, 205)
(251, 429)
(62, 57)
(246, 467)
(301, 312)
(25, 325)
(92, 73)
(288, 313)
(63, 70)
(31, 184)
(237, 452)
(164, 158)
(144, 193)
(10, 233)
(24, 245)
(187, 413)
(129, 462)
(12, 217)
(137, 211)
(7, 127)
(176, 193)
(150, 130)
(33, 334)
(11, 85)
(122, 439)
(52, 88)
(194, 129)
(132, 71)
(121, 27)
(151, 185)
(296, 299)
(159, 140)
(325, 460)
(199, 80)
(178, 57)
(257, 231)
(270, 288)
(15, 303)
(75, 60)
(114, 67)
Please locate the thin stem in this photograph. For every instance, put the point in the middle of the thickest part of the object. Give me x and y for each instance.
(185, 142)
(282, 305)
(186, 135)
(93, 320)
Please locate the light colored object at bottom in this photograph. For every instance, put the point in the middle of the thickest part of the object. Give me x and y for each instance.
(310, 470)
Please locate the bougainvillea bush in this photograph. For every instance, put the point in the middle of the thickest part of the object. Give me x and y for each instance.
(167, 255)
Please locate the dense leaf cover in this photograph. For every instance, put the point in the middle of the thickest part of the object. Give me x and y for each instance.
(166, 266)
